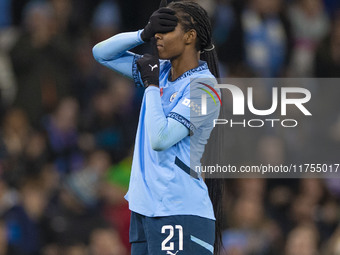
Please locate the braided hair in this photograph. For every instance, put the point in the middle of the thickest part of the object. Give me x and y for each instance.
(192, 16)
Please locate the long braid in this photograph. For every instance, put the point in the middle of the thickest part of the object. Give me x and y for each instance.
(193, 16)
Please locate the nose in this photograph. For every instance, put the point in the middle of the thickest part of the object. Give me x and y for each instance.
(158, 36)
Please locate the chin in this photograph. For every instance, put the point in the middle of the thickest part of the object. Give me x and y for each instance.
(163, 57)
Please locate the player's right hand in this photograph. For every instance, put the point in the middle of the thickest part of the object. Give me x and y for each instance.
(148, 66)
(161, 21)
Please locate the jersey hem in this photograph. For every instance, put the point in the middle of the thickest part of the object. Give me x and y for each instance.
(171, 214)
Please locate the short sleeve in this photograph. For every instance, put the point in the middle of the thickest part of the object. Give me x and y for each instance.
(199, 94)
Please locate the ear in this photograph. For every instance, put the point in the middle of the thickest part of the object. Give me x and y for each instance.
(190, 36)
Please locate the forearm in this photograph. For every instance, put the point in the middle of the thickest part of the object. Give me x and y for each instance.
(113, 52)
(163, 132)
(116, 46)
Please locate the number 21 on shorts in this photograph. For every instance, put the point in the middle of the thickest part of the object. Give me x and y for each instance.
(167, 245)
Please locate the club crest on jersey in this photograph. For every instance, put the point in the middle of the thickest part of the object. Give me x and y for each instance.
(173, 96)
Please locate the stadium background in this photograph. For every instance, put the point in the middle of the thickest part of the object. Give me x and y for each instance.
(68, 126)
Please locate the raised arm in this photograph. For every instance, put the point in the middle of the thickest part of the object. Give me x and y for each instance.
(113, 52)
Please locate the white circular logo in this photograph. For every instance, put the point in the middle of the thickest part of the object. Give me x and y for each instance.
(173, 96)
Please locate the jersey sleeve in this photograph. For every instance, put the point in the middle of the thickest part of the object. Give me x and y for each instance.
(188, 110)
(114, 53)
(163, 132)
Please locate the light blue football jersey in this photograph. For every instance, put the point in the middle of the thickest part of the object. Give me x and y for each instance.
(161, 183)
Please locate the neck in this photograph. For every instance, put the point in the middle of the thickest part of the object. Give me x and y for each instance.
(183, 63)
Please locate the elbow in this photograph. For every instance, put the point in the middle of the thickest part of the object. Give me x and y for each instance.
(158, 145)
(96, 53)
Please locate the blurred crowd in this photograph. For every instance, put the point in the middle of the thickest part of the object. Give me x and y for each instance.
(68, 126)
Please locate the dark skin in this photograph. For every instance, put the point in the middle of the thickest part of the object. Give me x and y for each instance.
(179, 47)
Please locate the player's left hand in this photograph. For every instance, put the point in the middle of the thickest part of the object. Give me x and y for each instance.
(148, 67)
(163, 20)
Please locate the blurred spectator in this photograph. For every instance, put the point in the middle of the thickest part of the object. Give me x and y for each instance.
(313, 205)
(224, 19)
(302, 240)
(251, 188)
(5, 13)
(82, 12)
(106, 241)
(333, 185)
(271, 150)
(209, 6)
(85, 183)
(113, 121)
(8, 36)
(62, 10)
(332, 246)
(106, 20)
(62, 131)
(260, 38)
(8, 197)
(312, 188)
(16, 129)
(17, 7)
(74, 214)
(35, 154)
(332, 6)
(303, 210)
(132, 16)
(116, 209)
(310, 24)
(23, 221)
(28, 160)
(76, 249)
(83, 186)
(251, 232)
(87, 79)
(16, 134)
(5, 247)
(327, 60)
(50, 179)
(328, 219)
(41, 61)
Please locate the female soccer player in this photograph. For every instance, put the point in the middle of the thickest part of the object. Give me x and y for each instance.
(171, 209)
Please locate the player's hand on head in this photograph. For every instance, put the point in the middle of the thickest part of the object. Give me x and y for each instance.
(148, 67)
(161, 21)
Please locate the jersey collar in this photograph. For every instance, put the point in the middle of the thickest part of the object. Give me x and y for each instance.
(202, 66)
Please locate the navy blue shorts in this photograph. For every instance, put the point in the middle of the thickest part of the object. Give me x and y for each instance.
(170, 235)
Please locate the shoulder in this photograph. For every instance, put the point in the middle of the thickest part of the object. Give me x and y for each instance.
(200, 75)
(201, 82)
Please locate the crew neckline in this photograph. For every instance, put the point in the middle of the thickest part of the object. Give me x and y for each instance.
(202, 66)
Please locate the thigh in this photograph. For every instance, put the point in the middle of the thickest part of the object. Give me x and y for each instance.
(137, 235)
(180, 235)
